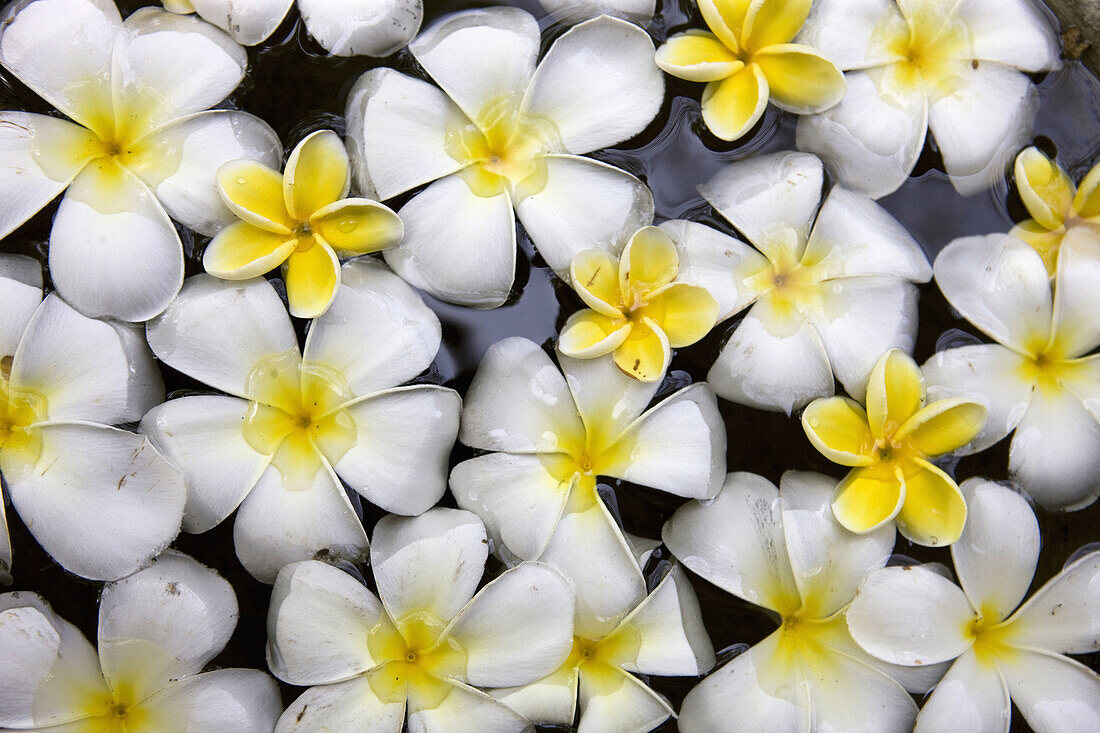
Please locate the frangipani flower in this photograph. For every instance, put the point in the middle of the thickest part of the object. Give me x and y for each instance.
(298, 219)
(500, 138)
(831, 283)
(158, 628)
(1056, 205)
(1003, 654)
(296, 424)
(1041, 377)
(914, 65)
(663, 635)
(888, 446)
(556, 433)
(748, 58)
(783, 550)
(141, 149)
(636, 11)
(342, 27)
(636, 309)
(421, 647)
(100, 500)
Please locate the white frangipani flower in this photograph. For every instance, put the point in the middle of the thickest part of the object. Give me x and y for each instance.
(1003, 654)
(423, 645)
(1041, 378)
(636, 11)
(552, 435)
(783, 550)
(158, 629)
(955, 68)
(342, 27)
(831, 283)
(663, 635)
(500, 138)
(142, 148)
(100, 500)
(296, 423)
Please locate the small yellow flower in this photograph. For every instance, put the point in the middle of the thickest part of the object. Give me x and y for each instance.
(1055, 204)
(747, 59)
(635, 310)
(299, 219)
(888, 446)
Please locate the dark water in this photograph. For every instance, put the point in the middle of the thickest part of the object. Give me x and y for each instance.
(297, 90)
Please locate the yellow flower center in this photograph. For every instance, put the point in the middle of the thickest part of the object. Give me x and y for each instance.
(416, 659)
(19, 411)
(932, 51)
(115, 712)
(1048, 368)
(990, 636)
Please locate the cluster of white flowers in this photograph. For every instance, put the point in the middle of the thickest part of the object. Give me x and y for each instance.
(494, 128)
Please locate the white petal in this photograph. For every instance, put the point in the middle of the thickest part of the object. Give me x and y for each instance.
(598, 98)
(623, 704)
(636, 11)
(240, 700)
(1052, 692)
(85, 368)
(910, 615)
(1076, 319)
(277, 525)
(319, 624)
(458, 246)
(551, 700)
(996, 555)
(480, 56)
(101, 501)
(179, 162)
(350, 705)
(1062, 615)
(845, 31)
(717, 262)
(164, 623)
(771, 370)
(736, 542)
(971, 696)
(20, 295)
(983, 124)
(432, 562)
(679, 446)
(585, 204)
(1013, 32)
(465, 710)
(869, 143)
(762, 192)
(113, 250)
(217, 332)
(362, 27)
(248, 23)
(999, 284)
(607, 399)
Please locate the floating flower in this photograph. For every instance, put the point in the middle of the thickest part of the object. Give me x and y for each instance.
(748, 58)
(915, 616)
(426, 642)
(342, 27)
(958, 69)
(299, 220)
(831, 283)
(663, 635)
(100, 500)
(1040, 379)
(500, 138)
(636, 11)
(294, 425)
(158, 628)
(783, 550)
(1056, 205)
(142, 147)
(636, 310)
(552, 435)
(888, 446)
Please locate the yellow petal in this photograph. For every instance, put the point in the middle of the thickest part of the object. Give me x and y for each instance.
(837, 426)
(645, 353)
(358, 226)
(241, 251)
(801, 80)
(934, 512)
(868, 498)
(254, 193)
(771, 22)
(732, 106)
(1042, 240)
(589, 334)
(595, 277)
(317, 174)
(944, 426)
(686, 313)
(1087, 200)
(649, 262)
(725, 18)
(312, 277)
(183, 7)
(697, 56)
(1045, 188)
(895, 391)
